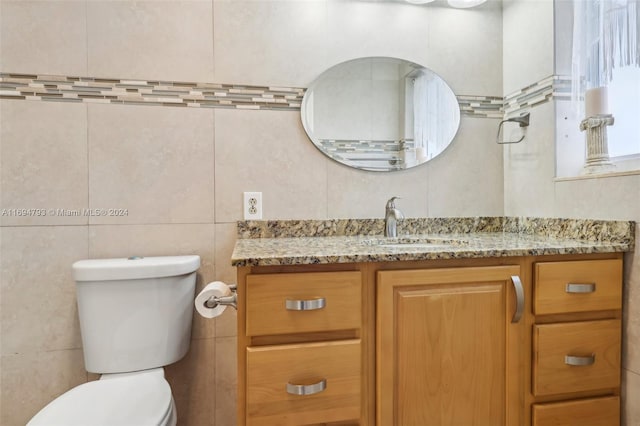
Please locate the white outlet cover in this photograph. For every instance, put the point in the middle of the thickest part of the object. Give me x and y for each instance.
(252, 206)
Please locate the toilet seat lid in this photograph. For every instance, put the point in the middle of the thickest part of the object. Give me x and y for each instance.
(124, 401)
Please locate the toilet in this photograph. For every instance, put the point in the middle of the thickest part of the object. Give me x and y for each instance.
(135, 318)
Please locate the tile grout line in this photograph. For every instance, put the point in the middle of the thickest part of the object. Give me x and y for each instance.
(631, 370)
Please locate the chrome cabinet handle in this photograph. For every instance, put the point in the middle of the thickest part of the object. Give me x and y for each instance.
(580, 288)
(305, 305)
(517, 286)
(580, 360)
(307, 389)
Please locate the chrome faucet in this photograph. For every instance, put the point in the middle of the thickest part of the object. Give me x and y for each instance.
(391, 216)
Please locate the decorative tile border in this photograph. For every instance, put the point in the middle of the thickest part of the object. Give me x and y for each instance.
(371, 154)
(213, 95)
(344, 147)
(542, 91)
(562, 88)
(481, 106)
(158, 93)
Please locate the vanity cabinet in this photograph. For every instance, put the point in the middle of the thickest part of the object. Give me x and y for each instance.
(302, 355)
(447, 340)
(576, 342)
(514, 341)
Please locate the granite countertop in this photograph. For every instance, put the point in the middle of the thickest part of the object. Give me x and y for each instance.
(297, 242)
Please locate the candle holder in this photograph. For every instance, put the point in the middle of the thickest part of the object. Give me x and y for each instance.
(597, 160)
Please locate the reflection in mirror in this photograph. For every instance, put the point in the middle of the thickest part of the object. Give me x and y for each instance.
(380, 114)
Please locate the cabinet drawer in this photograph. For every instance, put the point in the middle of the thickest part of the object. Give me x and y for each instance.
(275, 374)
(304, 302)
(574, 357)
(585, 412)
(580, 286)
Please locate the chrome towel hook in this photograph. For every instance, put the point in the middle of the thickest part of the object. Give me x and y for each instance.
(523, 120)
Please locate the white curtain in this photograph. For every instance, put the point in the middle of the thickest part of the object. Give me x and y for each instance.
(431, 100)
(605, 36)
(421, 110)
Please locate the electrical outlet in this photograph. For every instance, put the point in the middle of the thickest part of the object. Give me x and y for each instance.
(252, 205)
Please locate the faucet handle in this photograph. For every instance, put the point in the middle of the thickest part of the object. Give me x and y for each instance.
(391, 203)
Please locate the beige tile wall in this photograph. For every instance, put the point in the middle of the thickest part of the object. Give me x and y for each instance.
(630, 392)
(528, 42)
(472, 33)
(40, 344)
(43, 37)
(268, 151)
(181, 173)
(150, 39)
(255, 42)
(38, 293)
(156, 162)
(347, 199)
(451, 193)
(31, 379)
(528, 174)
(44, 161)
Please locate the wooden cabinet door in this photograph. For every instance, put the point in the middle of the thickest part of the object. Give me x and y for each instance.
(448, 353)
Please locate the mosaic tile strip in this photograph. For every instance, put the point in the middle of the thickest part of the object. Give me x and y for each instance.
(372, 154)
(213, 95)
(553, 87)
(562, 88)
(158, 93)
(346, 146)
(481, 106)
(528, 97)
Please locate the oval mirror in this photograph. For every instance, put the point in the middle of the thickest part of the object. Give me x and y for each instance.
(380, 114)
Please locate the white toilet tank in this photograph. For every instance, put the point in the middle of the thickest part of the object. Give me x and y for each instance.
(135, 314)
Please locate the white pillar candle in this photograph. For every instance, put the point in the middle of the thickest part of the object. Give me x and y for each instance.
(596, 102)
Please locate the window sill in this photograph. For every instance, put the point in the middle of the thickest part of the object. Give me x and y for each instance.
(628, 165)
(598, 176)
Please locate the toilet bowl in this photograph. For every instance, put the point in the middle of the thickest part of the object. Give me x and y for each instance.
(133, 399)
(135, 317)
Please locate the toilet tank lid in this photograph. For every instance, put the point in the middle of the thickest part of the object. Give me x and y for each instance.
(134, 268)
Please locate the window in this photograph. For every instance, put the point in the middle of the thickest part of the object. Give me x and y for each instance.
(624, 104)
(606, 53)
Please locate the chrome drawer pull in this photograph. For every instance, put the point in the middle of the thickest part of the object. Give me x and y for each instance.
(305, 305)
(580, 360)
(517, 286)
(580, 288)
(307, 389)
